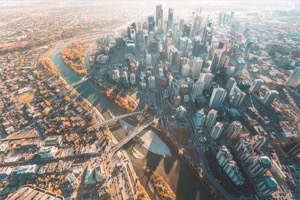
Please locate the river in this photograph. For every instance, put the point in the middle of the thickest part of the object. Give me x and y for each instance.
(176, 173)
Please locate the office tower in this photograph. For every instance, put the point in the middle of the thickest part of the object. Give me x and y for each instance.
(234, 130)
(216, 131)
(207, 77)
(151, 82)
(292, 147)
(170, 19)
(257, 142)
(217, 98)
(115, 76)
(207, 34)
(234, 173)
(249, 44)
(151, 23)
(197, 46)
(197, 67)
(220, 18)
(198, 89)
(185, 71)
(266, 185)
(215, 65)
(294, 77)
(173, 55)
(125, 78)
(211, 118)
(199, 119)
(230, 86)
(224, 156)
(238, 70)
(180, 112)
(269, 97)
(238, 98)
(197, 24)
(159, 16)
(187, 27)
(259, 166)
(256, 85)
(181, 22)
(132, 78)
(224, 61)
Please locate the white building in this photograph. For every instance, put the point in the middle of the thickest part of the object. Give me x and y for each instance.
(198, 88)
(197, 67)
(211, 118)
(48, 152)
(151, 82)
(234, 130)
(216, 131)
(185, 71)
(180, 112)
(199, 119)
(217, 98)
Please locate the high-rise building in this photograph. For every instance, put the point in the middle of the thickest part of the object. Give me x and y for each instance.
(151, 23)
(207, 77)
(266, 185)
(132, 78)
(215, 65)
(198, 88)
(269, 97)
(259, 166)
(187, 27)
(211, 118)
(249, 44)
(173, 55)
(294, 77)
(185, 70)
(180, 112)
(257, 142)
(216, 130)
(125, 78)
(240, 65)
(115, 76)
(230, 86)
(170, 19)
(151, 82)
(159, 16)
(197, 67)
(292, 147)
(234, 173)
(217, 98)
(199, 119)
(244, 151)
(256, 85)
(234, 130)
(224, 156)
(238, 98)
(207, 34)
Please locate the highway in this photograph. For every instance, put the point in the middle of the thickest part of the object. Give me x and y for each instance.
(113, 119)
(132, 135)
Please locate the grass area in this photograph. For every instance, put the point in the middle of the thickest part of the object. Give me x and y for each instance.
(25, 97)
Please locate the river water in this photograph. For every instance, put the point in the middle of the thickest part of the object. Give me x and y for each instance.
(175, 172)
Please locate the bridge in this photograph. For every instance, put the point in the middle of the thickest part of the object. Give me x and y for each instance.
(132, 134)
(81, 81)
(112, 120)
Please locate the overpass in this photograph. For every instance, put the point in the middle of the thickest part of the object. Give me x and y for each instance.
(81, 81)
(113, 119)
(132, 134)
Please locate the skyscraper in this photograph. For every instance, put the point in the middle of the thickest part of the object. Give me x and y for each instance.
(151, 23)
(259, 166)
(294, 77)
(211, 118)
(217, 98)
(197, 67)
(199, 119)
(159, 16)
(224, 156)
(207, 77)
(269, 97)
(207, 34)
(230, 86)
(185, 71)
(187, 27)
(170, 18)
(151, 82)
(238, 98)
(234, 130)
(198, 88)
(216, 131)
(256, 85)
(266, 185)
(215, 65)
